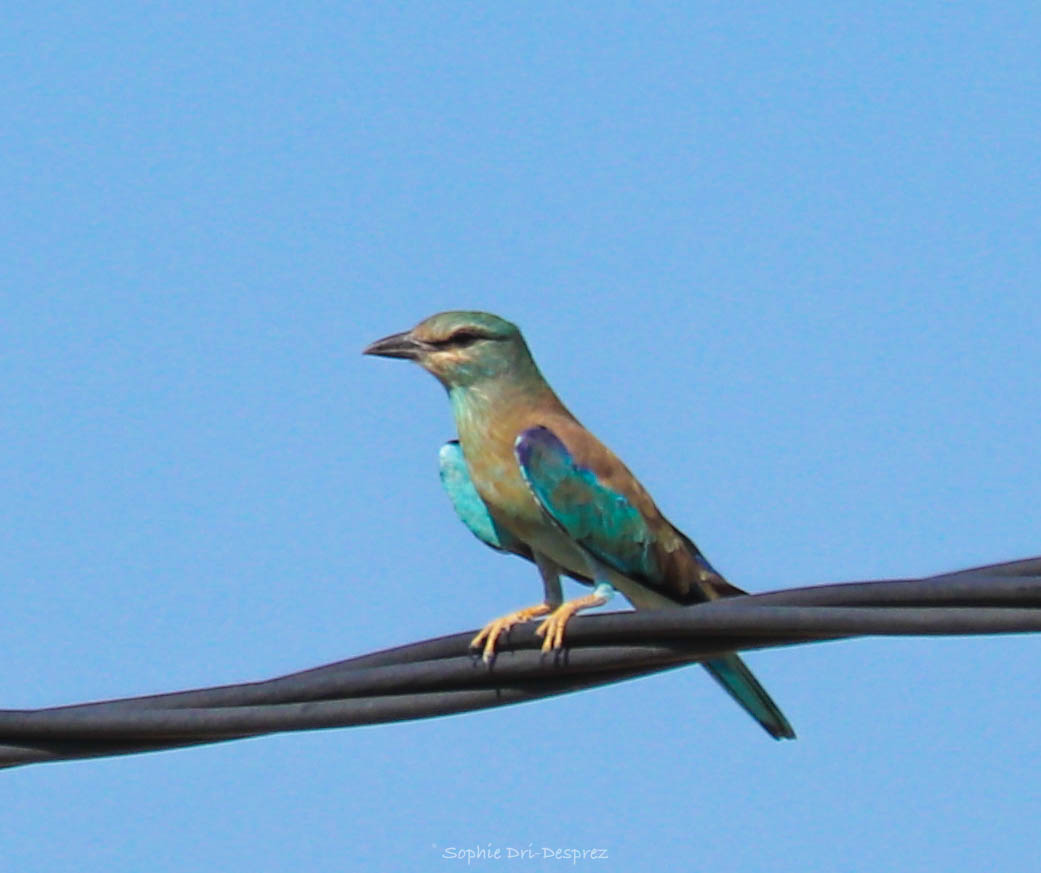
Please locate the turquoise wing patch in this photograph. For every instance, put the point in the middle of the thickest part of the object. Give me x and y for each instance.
(472, 511)
(596, 517)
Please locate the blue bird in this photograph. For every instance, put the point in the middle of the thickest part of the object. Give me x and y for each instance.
(527, 478)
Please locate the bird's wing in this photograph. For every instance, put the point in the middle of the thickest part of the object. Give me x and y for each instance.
(473, 512)
(596, 517)
(468, 505)
(601, 506)
(609, 525)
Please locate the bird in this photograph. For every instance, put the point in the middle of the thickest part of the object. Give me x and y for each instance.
(528, 479)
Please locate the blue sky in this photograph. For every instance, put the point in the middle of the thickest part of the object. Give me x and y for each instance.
(783, 260)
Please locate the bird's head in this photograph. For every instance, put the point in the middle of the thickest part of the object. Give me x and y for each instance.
(462, 349)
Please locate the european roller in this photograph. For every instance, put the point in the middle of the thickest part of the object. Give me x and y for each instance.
(527, 478)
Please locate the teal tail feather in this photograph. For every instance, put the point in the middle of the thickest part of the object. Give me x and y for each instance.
(730, 672)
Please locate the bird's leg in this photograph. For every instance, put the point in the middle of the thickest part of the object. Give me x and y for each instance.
(553, 627)
(490, 633)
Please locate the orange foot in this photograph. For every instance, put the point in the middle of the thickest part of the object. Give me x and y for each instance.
(491, 632)
(553, 627)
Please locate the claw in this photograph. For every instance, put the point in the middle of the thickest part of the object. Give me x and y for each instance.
(553, 627)
(490, 633)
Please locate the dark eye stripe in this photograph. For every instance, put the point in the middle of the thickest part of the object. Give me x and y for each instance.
(458, 339)
(464, 337)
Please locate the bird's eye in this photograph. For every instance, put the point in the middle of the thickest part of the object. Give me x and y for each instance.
(459, 339)
(464, 338)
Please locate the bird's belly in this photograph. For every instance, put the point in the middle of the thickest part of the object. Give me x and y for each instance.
(497, 478)
(502, 488)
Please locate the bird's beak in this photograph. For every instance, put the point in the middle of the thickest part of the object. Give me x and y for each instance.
(397, 345)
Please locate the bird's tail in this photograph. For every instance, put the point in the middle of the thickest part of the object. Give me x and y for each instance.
(735, 677)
